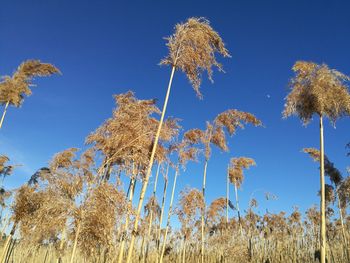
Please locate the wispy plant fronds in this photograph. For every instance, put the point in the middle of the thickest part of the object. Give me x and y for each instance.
(185, 151)
(344, 192)
(330, 170)
(215, 132)
(42, 173)
(192, 49)
(313, 215)
(5, 170)
(314, 153)
(63, 159)
(26, 202)
(128, 136)
(236, 169)
(295, 217)
(153, 207)
(317, 89)
(47, 220)
(216, 210)
(219, 139)
(102, 210)
(194, 136)
(14, 88)
(329, 194)
(191, 204)
(233, 119)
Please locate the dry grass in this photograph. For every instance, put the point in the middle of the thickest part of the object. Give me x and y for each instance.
(192, 49)
(77, 209)
(317, 89)
(14, 88)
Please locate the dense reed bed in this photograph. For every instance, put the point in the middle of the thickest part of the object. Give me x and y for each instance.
(76, 209)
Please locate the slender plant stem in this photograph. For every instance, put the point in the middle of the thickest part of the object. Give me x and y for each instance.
(75, 243)
(323, 203)
(238, 210)
(8, 243)
(149, 169)
(169, 215)
(4, 113)
(203, 209)
(341, 218)
(126, 225)
(59, 259)
(227, 194)
(162, 212)
(6, 247)
(151, 212)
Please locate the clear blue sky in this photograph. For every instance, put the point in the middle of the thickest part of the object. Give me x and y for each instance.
(108, 47)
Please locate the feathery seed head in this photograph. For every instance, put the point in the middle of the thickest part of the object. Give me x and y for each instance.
(192, 49)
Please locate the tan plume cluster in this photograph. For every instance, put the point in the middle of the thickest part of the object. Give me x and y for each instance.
(276, 223)
(216, 210)
(194, 136)
(214, 132)
(47, 220)
(295, 217)
(14, 88)
(66, 175)
(191, 204)
(101, 211)
(27, 202)
(152, 206)
(52, 199)
(344, 192)
(317, 89)
(192, 49)
(185, 150)
(313, 152)
(128, 136)
(313, 216)
(331, 171)
(233, 119)
(236, 169)
(329, 194)
(63, 159)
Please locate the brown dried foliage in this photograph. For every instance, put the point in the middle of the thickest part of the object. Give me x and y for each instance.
(66, 174)
(233, 119)
(236, 169)
(152, 206)
(191, 204)
(48, 218)
(216, 210)
(27, 202)
(51, 203)
(214, 132)
(344, 192)
(317, 89)
(101, 211)
(331, 171)
(14, 88)
(192, 49)
(128, 136)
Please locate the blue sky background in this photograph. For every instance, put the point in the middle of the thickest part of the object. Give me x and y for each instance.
(109, 47)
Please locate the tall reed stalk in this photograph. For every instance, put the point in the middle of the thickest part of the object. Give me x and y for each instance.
(169, 216)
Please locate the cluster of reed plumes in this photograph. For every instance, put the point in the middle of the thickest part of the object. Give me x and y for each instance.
(78, 210)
